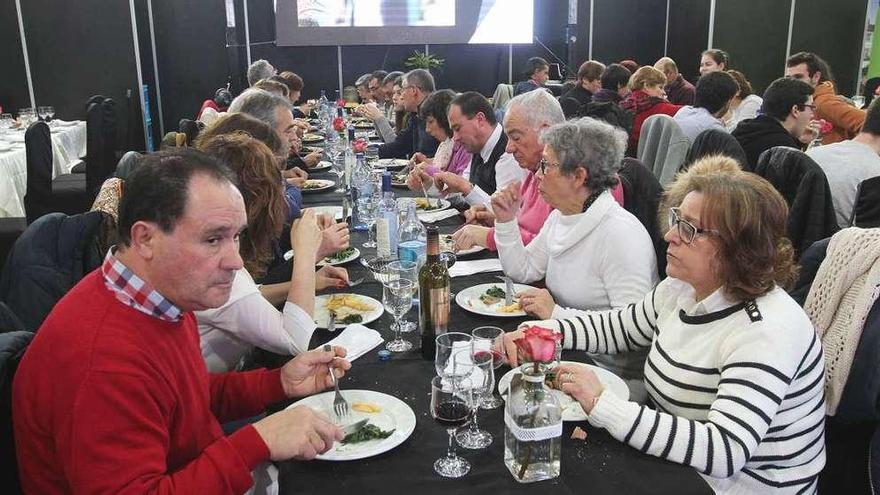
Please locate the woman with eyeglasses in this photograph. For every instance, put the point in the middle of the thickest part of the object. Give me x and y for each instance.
(592, 254)
(735, 369)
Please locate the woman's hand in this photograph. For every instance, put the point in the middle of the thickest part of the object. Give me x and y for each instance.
(479, 214)
(469, 236)
(334, 238)
(506, 203)
(417, 179)
(580, 383)
(312, 159)
(331, 276)
(537, 302)
(305, 235)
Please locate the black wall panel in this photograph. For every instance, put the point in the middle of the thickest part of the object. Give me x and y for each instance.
(834, 30)
(760, 55)
(82, 51)
(581, 48)
(629, 29)
(13, 80)
(688, 34)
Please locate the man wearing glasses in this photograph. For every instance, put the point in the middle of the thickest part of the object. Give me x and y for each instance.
(415, 86)
(785, 120)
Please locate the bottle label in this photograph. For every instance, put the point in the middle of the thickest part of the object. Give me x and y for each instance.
(439, 310)
(532, 434)
(383, 241)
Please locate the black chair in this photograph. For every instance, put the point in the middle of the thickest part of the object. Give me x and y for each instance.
(805, 188)
(715, 142)
(66, 193)
(12, 347)
(866, 208)
(101, 130)
(642, 193)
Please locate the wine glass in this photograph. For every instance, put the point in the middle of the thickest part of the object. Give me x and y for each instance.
(6, 121)
(371, 154)
(489, 341)
(397, 300)
(482, 381)
(447, 361)
(406, 269)
(449, 406)
(26, 116)
(50, 112)
(41, 112)
(367, 215)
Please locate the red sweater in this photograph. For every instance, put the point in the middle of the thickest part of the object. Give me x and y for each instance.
(110, 400)
(643, 106)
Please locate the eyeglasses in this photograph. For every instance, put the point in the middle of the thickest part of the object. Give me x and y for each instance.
(544, 165)
(811, 107)
(686, 230)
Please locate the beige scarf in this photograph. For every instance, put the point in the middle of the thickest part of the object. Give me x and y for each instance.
(842, 294)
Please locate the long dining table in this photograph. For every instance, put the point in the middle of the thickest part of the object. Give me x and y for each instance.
(598, 465)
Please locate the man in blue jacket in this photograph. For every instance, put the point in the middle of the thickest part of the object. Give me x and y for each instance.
(415, 87)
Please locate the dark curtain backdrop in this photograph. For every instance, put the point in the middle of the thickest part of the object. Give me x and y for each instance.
(13, 81)
(688, 35)
(629, 29)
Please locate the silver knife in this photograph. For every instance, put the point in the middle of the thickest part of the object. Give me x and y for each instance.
(508, 290)
(331, 325)
(354, 427)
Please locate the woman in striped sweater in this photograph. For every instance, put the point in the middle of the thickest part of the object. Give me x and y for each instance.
(735, 370)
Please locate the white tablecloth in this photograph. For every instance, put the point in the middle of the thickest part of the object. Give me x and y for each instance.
(68, 145)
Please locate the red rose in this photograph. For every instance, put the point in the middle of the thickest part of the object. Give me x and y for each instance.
(824, 126)
(339, 124)
(359, 145)
(538, 344)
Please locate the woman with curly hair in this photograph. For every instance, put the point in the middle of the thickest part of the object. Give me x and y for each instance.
(735, 369)
(248, 318)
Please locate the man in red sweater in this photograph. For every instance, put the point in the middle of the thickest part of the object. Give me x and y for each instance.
(113, 395)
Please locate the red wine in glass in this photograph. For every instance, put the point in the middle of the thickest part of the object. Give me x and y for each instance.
(452, 414)
(497, 357)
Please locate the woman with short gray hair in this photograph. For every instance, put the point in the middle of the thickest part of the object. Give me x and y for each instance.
(592, 253)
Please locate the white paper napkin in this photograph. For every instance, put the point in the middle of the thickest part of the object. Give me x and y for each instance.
(357, 340)
(464, 268)
(460, 361)
(436, 216)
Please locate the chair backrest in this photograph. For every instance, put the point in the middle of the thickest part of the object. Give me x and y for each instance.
(663, 147)
(804, 186)
(38, 149)
(12, 347)
(642, 194)
(715, 142)
(866, 208)
(101, 128)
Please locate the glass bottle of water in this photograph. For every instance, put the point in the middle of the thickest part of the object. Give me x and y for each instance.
(532, 427)
(386, 222)
(413, 239)
(361, 187)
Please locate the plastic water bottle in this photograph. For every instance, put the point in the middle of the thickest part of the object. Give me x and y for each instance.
(386, 220)
(412, 241)
(361, 187)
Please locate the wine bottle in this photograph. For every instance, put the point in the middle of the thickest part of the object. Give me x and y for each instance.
(433, 296)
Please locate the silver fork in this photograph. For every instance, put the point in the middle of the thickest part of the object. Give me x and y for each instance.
(340, 405)
(354, 283)
(331, 325)
(427, 199)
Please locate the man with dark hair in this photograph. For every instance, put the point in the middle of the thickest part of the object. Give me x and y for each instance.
(537, 73)
(589, 82)
(845, 118)
(416, 85)
(848, 163)
(615, 84)
(711, 101)
(473, 124)
(784, 120)
(678, 90)
(113, 395)
(375, 86)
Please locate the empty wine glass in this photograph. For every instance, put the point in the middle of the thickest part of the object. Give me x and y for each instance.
(482, 379)
(338, 161)
(489, 341)
(26, 116)
(446, 361)
(409, 270)
(449, 407)
(50, 112)
(6, 121)
(397, 300)
(41, 112)
(367, 215)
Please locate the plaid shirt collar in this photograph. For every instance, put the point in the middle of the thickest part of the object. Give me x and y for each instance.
(135, 292)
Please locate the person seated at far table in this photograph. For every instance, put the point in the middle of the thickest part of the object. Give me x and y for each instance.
(249, 318)
(735, 368)
(537, 73)
(647, 97)
(415, 86)
(711, 102)
(112, 396)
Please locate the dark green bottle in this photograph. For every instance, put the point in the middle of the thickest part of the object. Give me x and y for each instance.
(433, 296)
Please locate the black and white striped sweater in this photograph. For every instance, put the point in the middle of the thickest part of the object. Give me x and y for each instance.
(737, 390)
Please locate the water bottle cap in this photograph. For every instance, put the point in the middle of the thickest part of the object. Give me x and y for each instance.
(386, 181)
(384, 355)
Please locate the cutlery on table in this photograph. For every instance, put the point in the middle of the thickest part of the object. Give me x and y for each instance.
(340, 405)
(331, 324)
(508, 289)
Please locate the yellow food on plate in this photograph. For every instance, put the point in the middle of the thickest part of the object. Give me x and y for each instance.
(339, 301)
(366, 407)
(513, 308)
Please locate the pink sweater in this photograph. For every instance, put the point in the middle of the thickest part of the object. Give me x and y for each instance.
(534, 211)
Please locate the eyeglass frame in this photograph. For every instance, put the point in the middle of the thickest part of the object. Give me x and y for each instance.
(676, 220)
(544, 164)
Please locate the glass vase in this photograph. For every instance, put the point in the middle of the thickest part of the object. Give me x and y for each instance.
(532, 427)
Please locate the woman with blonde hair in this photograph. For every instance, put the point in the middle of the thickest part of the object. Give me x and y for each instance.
(647, 97)
(735, 369)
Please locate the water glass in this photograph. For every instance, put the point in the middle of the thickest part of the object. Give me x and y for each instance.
(482, 381)
(27, 116)
(367, 215)
(409, 270)
(397, 300)
(6, 121)
(447, 361)
(371, 154)
(489, 342)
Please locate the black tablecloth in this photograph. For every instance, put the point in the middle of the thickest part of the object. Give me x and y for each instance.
(598, 465)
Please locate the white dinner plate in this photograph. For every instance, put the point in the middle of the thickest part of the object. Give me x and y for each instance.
(64, 123)
(395, 414)
(312, 138)
(321, 166)
(448, 245)
(319, 185)
(335, 211)
(469, 299)
(351, 257)
(322, 316)
(442, 204)
(571, 409)
(390, 163)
